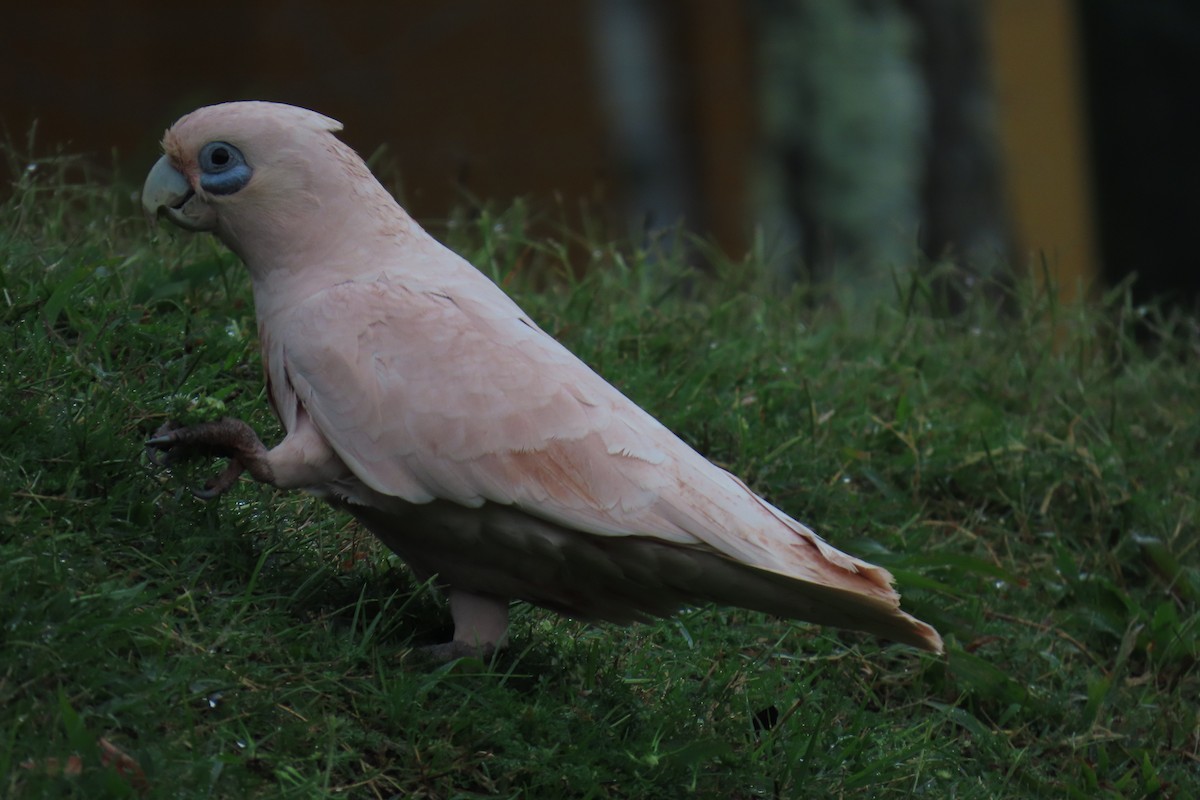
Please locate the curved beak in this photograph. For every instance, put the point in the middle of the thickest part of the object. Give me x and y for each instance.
(167, 193)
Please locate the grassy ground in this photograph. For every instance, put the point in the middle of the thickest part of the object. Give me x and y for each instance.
(1032, 480)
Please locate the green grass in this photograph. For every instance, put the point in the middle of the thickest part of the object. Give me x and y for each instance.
(1031, 478)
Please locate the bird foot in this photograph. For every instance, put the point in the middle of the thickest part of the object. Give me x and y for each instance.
(231, 438)
(451, 651)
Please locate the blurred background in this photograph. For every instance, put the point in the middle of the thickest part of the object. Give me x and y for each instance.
(841, 140)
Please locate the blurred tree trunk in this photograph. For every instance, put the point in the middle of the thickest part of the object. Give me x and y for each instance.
(842, 117)
(962, 196)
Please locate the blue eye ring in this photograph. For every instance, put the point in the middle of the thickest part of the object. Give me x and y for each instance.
(223, 167)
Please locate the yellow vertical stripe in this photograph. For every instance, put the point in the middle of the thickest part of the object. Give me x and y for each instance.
(1037, 68)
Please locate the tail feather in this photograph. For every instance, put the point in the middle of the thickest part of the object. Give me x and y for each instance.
(503, 552)
(860, 604)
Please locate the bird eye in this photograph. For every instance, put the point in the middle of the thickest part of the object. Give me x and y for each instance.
(224, 168)
(218, 157)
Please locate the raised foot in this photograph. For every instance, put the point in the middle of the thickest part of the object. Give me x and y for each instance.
(230, 438)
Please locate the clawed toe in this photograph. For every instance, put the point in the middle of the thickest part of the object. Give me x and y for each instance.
(209, 492)
(451, 651)
(222, 483)
(173, 443)
(160, 448)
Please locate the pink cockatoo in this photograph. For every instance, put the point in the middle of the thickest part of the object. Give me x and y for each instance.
(418, 396)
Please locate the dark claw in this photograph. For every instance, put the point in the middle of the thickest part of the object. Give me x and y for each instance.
(217, 486)
(159, 447)
(209, 492)
(173, 443)
(159, 453)
(452, 651)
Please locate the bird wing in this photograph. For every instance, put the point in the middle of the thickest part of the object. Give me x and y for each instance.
(448, 391)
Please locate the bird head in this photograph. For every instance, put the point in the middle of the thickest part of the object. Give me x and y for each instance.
(245, 170)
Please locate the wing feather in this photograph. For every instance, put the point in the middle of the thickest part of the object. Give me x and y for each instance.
(451, 393)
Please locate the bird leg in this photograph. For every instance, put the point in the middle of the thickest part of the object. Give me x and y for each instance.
(480, 627)
(229, 438)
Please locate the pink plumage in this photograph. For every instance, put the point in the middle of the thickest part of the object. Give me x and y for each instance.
(419, 397)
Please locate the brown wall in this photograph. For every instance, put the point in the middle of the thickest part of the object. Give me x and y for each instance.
(487, 98)
(494, 95)
(494, 99)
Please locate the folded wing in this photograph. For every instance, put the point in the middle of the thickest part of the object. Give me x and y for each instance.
(449, 393)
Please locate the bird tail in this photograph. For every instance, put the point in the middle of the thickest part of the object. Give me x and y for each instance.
(860, 603)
